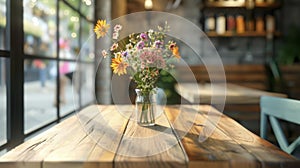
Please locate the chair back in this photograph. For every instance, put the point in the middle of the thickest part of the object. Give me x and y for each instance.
(274, 108)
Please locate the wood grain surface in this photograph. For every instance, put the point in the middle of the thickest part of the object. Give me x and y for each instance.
(234, 94)
(108, 136)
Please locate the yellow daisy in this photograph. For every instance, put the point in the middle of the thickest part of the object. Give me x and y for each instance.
(101, 28)
(118, 66)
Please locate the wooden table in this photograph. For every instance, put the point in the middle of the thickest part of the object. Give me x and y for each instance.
(240, 103)
(235, 94)
(67, 145)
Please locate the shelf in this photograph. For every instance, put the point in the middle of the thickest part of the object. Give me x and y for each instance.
(273, 5)
(246, 34)
(240, 4)
(228, 4)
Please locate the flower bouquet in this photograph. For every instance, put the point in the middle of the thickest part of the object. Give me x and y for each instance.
(142, 56)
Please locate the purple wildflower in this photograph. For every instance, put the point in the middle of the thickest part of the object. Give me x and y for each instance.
(158, 44)
(124, 53)
(143, 36)
(140, 45)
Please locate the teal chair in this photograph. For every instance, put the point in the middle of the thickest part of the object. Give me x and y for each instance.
(276, 108)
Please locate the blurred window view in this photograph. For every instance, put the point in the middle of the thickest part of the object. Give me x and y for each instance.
(49, 89)
(87, 43)
(86, 90)
(69, 32)
(3, 74)
(39, 93)
(67, 88)
(40, 27)
(73, 3)
(2, 23)
(3, 101)
(87, 9)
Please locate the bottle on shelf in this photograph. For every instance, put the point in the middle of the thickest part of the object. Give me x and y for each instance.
(210, 23)
(270, 24)
(231, 25)
(240, 24)
(243, 19)
(220, 24)
(259, 24)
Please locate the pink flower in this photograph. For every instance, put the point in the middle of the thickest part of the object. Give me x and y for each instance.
(104, 53)
(152, 58)
(117, 28)
(158, 44)
(143, 36)
(114, 47)
(115, 35)
(140, 45)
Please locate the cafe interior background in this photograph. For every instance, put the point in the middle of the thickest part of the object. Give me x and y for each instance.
(39, 37)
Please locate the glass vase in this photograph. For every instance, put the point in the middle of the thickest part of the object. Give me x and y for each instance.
(145, 107)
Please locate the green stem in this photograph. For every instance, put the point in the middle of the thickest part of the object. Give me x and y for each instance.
(144, 116)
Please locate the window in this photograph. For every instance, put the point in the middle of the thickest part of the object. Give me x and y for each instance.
(87, 43)
(87, 56)
(40, 27)
(3, 73)
(2, 23)
(39, 93)
(66, 94)
(73, 3)
(54, 32)
(87, 84)
(3, 101)
(40, 32)
(87, 9)
(48, 87)
(68, 32)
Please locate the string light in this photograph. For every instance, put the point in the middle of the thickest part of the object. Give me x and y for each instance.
(148, 4)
